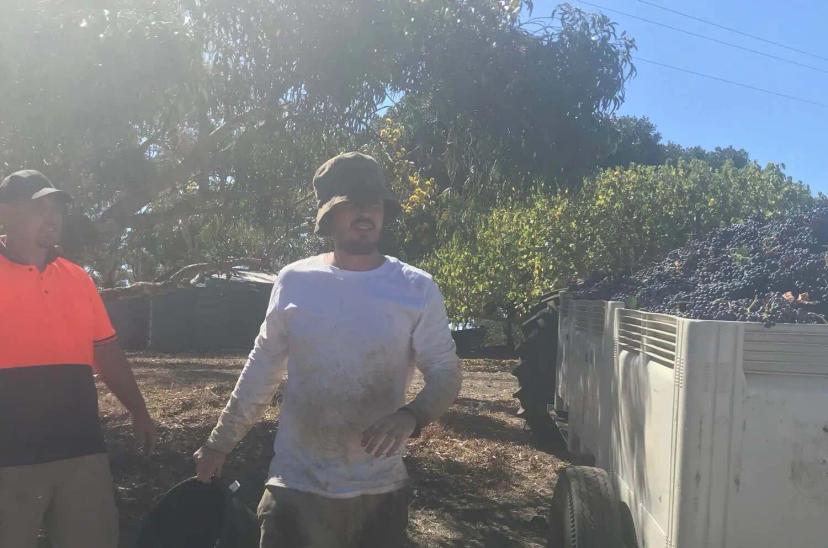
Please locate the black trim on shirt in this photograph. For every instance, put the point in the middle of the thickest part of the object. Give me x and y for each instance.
(107, 340)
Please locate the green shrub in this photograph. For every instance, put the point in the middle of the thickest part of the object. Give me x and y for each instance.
(507, 257)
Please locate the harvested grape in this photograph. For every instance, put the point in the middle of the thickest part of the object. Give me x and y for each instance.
(759, 271)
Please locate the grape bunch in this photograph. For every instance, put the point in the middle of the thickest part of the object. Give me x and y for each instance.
(759, 271)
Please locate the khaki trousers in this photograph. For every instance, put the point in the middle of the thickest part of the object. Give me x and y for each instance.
(72, 498)
(295, 519)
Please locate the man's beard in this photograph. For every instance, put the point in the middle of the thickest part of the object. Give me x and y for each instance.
(360, 247)
(48, 241)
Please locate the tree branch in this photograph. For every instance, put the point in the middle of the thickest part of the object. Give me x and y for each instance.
(115, 219)
(179, 278)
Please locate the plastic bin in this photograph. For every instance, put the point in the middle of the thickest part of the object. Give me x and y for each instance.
(718, 431)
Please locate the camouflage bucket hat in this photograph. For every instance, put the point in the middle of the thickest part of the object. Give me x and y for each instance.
(351, 177)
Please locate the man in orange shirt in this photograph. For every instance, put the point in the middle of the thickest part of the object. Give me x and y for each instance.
(54, 335)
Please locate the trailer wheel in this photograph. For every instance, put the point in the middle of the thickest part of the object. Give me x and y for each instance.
(585, 511)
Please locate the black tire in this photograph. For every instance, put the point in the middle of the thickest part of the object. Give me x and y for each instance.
(628, 527)
(586, 511)
(536, 376)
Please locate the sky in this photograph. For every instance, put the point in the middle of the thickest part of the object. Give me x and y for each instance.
(692, 110)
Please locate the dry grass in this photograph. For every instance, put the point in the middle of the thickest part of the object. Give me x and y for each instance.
(478, 479)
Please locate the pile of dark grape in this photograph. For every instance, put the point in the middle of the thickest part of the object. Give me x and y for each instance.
(758, 271)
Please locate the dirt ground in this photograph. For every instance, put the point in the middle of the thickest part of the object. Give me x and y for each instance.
(478, 480)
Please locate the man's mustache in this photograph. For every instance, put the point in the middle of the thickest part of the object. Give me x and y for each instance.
(369, 221)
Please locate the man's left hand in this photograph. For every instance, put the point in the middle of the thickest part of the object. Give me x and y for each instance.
(386, 436)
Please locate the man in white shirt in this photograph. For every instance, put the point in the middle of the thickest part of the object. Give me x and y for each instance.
(348, 327)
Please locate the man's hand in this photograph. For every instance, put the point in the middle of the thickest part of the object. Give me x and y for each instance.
(208, 464)
(113, 369)
(386, 436)
(145, 432)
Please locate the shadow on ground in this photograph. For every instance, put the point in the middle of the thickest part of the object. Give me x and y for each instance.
(478, 478)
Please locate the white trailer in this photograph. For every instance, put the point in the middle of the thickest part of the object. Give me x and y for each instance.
(704, 434)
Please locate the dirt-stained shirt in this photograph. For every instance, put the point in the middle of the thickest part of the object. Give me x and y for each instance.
(349, 342)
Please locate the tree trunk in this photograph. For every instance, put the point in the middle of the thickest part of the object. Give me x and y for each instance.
(509, 328)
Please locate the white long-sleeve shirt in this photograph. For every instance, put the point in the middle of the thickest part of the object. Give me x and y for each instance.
(349, 341)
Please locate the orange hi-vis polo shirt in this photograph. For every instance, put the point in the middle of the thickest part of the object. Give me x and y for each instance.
(50, 322)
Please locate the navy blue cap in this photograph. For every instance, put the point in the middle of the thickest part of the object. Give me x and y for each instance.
(29, 184)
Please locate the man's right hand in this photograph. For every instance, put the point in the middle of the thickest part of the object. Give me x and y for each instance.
(208, 464)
